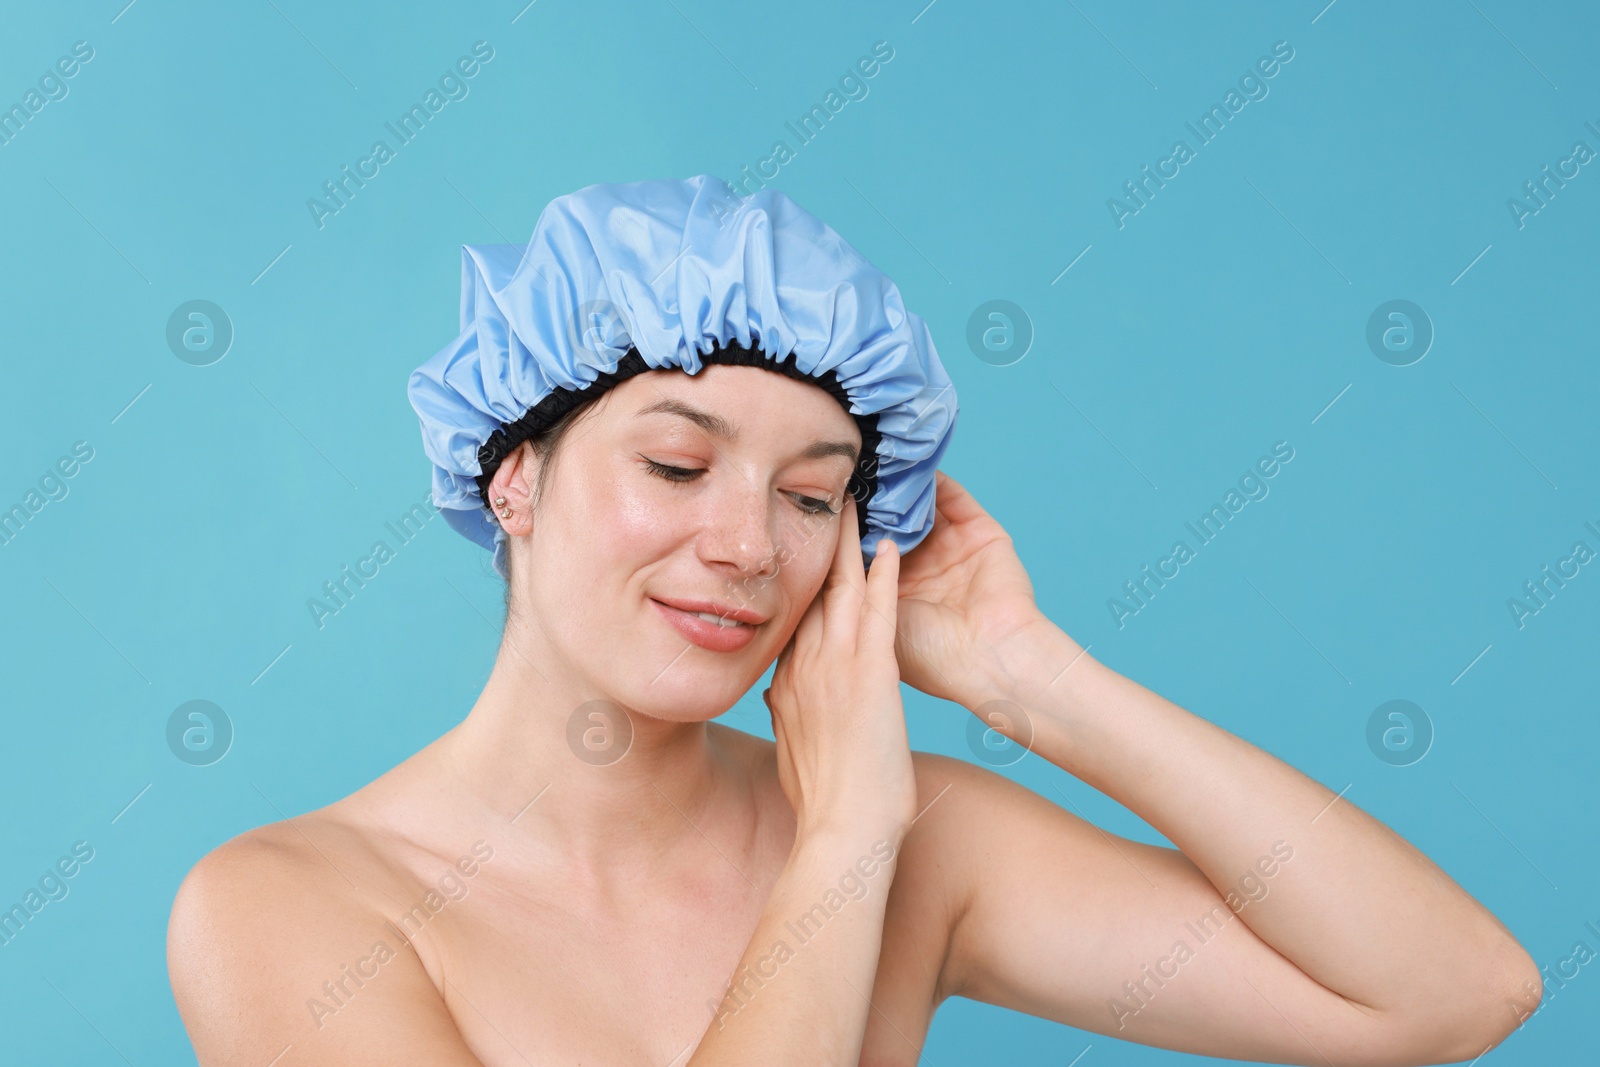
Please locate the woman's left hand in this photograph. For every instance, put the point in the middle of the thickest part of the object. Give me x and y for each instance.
(969, 629)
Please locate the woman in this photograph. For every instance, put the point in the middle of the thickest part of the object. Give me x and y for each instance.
(588, 870)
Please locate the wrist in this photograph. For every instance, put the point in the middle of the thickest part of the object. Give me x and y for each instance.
(1038, 658)
(828, 851)
(1037, 687)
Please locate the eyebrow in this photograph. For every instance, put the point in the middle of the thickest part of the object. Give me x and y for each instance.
(718, 426)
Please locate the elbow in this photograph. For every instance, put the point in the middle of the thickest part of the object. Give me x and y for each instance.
(1489, 1004)
(1521, 989)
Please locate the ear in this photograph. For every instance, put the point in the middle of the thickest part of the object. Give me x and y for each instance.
(514, 480)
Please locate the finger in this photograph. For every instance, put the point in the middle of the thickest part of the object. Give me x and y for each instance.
(953, 501)
(846, 584)
(847, 549)
(807, 633)
(941, 522)
(776, 720)
(783, 655)
(880, 610)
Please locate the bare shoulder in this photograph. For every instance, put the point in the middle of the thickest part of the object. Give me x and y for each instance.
(257, 882)
(968, 817)
(971, 821)
(958, 801)
(947, 774)
(277, 931)
(965, 796)
(963, 810)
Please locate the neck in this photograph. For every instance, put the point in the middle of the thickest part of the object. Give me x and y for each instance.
(545, 751)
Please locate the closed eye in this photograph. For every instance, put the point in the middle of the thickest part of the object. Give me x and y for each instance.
(808, 504)
(673, 474)
(812, 506)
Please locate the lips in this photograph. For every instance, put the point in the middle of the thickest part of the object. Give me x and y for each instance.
(712, 626)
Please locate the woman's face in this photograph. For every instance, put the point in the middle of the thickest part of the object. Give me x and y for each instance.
(719, 493)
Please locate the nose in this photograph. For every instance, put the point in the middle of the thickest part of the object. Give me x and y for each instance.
(739, 534)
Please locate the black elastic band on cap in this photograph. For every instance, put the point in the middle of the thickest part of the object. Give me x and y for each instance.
(863, 480)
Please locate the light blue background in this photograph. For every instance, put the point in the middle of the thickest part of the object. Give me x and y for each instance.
(1225, 316)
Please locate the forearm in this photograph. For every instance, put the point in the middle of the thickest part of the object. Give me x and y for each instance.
(799, 994)
(1356, 908)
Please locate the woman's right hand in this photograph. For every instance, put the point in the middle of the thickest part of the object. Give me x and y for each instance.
(844, 760)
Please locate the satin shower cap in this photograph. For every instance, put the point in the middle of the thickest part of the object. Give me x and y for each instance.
(622, 279)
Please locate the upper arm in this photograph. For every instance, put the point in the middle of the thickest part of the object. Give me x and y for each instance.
(269, 949)
(1062, 920)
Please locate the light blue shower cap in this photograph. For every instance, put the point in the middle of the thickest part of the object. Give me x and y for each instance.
(621, 279)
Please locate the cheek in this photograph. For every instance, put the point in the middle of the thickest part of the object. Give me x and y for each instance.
(593, 555)
(811, 543)
(811, 563)
(607, 531)
(637, 523)
(801, 577)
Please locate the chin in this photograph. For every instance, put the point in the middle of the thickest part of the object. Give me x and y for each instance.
(666, 681)
(691, 692)
(645, 665)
